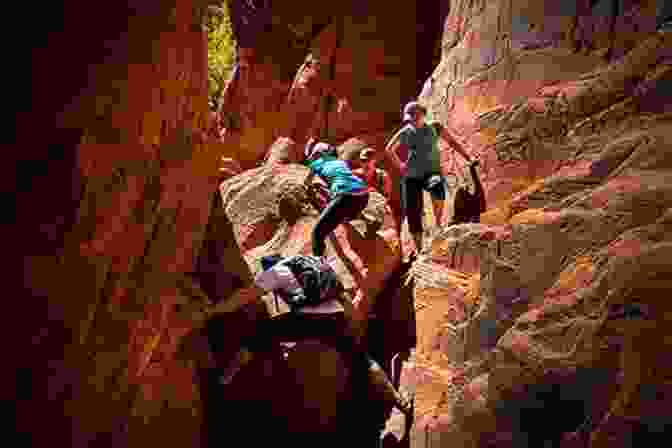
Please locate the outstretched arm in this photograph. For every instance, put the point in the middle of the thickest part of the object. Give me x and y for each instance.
(311, 174)
(359, 172)
(241, 297)
(393, 145)
(392, 151)
(387, 185)
(457, 146)
(278, 277)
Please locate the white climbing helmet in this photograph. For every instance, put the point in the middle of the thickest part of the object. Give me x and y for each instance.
(313, 151)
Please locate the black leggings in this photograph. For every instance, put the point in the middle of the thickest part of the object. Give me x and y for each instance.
(412, 200)
(341, 209)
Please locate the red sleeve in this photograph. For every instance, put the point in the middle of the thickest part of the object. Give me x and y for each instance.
(387, 181)
(403, 152)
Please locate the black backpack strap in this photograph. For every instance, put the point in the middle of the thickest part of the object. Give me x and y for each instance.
(316, 279)
(299, 264)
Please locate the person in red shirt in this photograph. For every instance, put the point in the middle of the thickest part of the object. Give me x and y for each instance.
(213, 129)
(377, 179)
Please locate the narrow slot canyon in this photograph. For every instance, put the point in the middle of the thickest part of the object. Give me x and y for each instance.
(146, 178)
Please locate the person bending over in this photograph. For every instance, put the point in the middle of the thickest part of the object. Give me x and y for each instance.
(348, 194)
(314, 294)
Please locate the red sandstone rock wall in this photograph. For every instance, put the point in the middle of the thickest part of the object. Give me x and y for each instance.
(500, 53)
(124, 222)
(575, 173)
(271, 212)
(578, 218)
(112, 306)
(370, 80)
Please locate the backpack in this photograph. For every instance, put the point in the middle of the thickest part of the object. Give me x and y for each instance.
(463, 208)
(318, 282)
(467, 206)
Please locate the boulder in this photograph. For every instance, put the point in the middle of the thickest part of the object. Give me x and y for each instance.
(271, 211)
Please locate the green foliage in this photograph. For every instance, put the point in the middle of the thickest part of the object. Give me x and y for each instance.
(221, 50)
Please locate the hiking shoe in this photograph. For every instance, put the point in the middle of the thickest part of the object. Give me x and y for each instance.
(241, 359)
(406, 403)
(409, 419)
(229, 376)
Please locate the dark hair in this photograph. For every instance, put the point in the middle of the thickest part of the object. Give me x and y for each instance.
(420, 107)
(268, 261)
(331, 152)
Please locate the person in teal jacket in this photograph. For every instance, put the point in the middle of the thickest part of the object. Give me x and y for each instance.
(348, 194)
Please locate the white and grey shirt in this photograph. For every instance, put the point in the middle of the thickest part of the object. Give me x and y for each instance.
(280, 277)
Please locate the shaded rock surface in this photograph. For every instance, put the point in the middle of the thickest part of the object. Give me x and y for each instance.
(112, 192)
(281, 96)
(555, 303)
(271, 211)
(128, 247)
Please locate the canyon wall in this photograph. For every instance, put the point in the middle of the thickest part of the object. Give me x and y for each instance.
(125, 241)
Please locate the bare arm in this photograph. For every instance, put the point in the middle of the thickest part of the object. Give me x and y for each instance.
(457, 146)
(278, 277)
(238, 299)
(391, 150)
(311, 175)
(394, 144)
(391, 143)
(387, 185)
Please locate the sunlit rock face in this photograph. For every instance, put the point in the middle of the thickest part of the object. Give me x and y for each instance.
(546, 299)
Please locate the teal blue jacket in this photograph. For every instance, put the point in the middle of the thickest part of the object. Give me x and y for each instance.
(337, 174)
